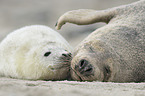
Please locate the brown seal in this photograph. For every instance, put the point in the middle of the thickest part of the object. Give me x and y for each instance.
(115, 52)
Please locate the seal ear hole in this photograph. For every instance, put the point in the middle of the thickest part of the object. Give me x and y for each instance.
(107, 73)
(47, 54)
(107, 69)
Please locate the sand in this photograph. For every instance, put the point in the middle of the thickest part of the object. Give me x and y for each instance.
(15, 87)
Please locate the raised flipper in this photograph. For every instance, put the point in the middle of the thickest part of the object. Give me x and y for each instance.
(85, 16)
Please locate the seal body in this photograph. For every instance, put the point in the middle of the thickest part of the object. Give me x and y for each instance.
(115, 52)
(35, 52)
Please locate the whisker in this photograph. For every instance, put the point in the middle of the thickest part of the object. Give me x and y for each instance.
(63, 66)
(70, 55)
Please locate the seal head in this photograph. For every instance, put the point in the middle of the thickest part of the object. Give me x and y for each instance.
(92, 62)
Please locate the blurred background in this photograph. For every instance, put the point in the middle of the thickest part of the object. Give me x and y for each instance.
(15, 14)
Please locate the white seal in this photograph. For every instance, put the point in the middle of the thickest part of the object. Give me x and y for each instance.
(35, 52)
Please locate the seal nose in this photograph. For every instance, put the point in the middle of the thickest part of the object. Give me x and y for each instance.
(66, 54)
(84, 67)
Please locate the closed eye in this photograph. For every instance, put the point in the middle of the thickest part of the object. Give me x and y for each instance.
(47, 54)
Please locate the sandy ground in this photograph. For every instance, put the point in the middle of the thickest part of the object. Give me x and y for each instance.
(15, 87)
(18, 13)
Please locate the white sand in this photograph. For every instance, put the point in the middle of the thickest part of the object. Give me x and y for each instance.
(15, 87)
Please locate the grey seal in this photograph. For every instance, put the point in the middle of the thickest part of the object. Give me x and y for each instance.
(114, 52)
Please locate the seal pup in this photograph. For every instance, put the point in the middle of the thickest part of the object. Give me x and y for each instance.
(114, 52)
(35, 52)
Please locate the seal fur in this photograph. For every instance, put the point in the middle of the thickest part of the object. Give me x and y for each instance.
(114, 52)
(35, 52)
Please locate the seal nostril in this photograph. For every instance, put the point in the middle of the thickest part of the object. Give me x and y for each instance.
(83, 63)
(64, 55)
(84, 67)
(89, 69)
(69, 54)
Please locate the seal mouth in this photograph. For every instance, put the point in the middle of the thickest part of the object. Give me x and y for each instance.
(76, 74)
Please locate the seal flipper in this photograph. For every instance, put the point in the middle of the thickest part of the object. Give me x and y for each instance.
(85, 16)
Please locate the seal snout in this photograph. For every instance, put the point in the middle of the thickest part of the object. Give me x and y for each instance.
(66, 54)
(84, 68)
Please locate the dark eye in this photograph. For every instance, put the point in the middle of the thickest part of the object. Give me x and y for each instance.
(47, 54)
